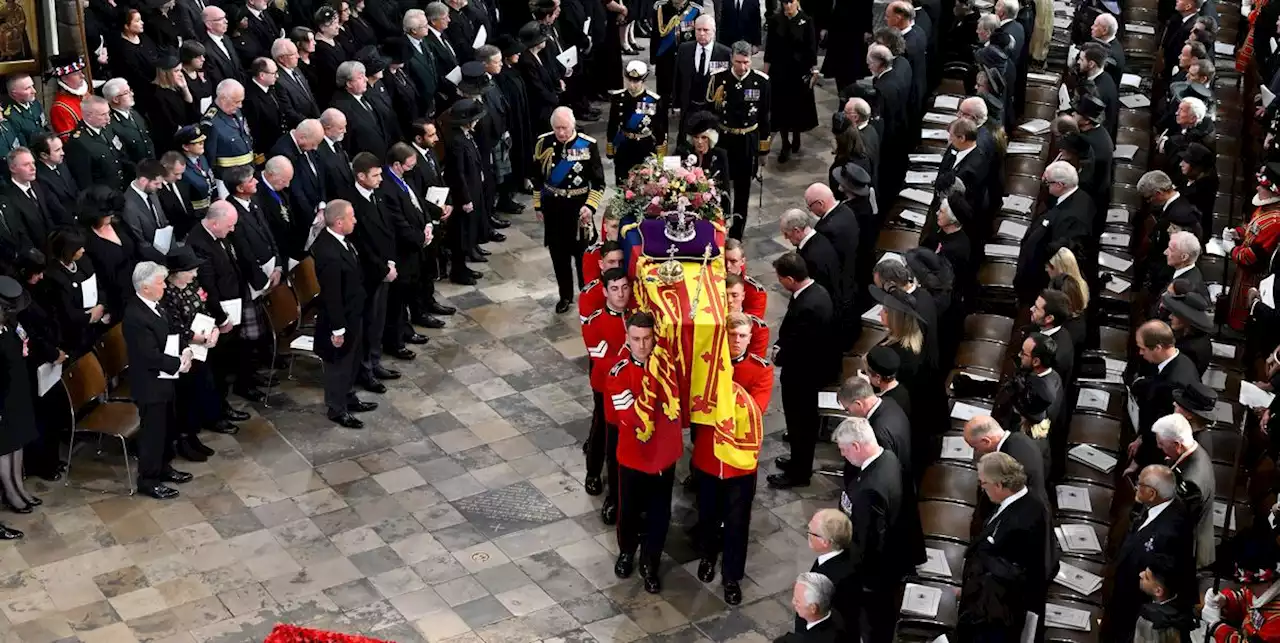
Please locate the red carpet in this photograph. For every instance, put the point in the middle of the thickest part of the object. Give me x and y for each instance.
(294, 634)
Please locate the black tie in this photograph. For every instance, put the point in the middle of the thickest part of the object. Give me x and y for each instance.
(152, 206)
(703, 69)
(31, 194)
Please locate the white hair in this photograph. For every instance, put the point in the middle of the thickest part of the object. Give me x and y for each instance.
(797, 219)
(1197, 107)
(977, 108)
(1062, 172)
(1108, 22)
(411, 19)
(948, 217)
(145, 272)
(281, 46)
(854, 431)
(1175, 428)
(228, 87)
(1010, 7)
(114, 88)
(564, 113)
(818, 590)
(1186, 243)
(277, 165)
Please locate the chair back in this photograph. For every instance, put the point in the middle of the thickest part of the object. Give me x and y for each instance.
(112, 354)
(283, 313)
(306, 286)
(85, 381)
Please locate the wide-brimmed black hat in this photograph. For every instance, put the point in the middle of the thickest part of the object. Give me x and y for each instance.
(1192, 308)
(507, 45)
(883, 361)
(1198, 156)
(1198, 399)
(531, 35)
(474, 78)
(1192, 90)
(466, 111)
(896, 299)
(1184, 218)
(182, 258)
(701, 123)
(167, 59)
(396, 50)
(995, 80)
(852, 179)
(1090, 107)
(372, 60)
(64, 64)
(13, 297)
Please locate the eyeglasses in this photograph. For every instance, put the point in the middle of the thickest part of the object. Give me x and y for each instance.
(813, 535)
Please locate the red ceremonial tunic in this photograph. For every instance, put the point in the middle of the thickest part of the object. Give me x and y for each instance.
(756, 298)
(64, 114)
(755, 375)
(590, 299)
(759, 337)
(1258, 239)
(1252, 623)
(605, 334)
(591, 263)
(663, 448)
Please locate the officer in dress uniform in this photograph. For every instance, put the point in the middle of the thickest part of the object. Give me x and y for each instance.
(568, 182)
(24, 110)
(229, 142)
(673, 27)
(95, 155)
(605, 334)
(198, 175)
(127, 123)
(740, 97)
(637, 123)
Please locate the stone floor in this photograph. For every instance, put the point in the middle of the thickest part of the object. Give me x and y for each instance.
(457, 515)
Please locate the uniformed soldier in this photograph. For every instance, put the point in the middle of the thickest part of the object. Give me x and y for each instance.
(740, 97)
(568, 186)
(673, 26)
(735, 288)
(95, 155)
(591, 297)
(10, 139)
(24, 110)
(647, 457)
(198, 175)
(65, 113)
(127, 123)
(637, 123)
(756, 297)
(609, 224)
(605, 334)
(229, 143)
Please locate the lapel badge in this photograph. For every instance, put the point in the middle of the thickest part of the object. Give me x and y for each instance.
(1150, 544)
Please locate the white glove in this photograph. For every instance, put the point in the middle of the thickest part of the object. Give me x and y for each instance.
(1212, 612)
(1230, 238)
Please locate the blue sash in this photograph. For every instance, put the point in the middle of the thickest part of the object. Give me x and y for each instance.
(564, 165)
(399, 181)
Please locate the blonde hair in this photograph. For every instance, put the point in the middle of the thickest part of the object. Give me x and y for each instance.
(834, 527)
(165, 77)
(734, 320)
(904, 330)
(1064, 261)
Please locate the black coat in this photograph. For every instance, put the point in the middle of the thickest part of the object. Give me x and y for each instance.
(1095, 176)
(426, 174)
(254, 243)
(324, 69)
(407, 221)
(690, 86)
(824, 268)
(374, 237)
(335, 166)
(1109, 92)
(1169, 534)
(884, 547)
(145, 336)
(422, 71)
(307, 189)
(1153, 390)
(219, 66)
(263, 30)
(917, 41)
(1066, 224)
(296, 102)
(406, 106)
(177, 208)
(342, 294)
(62, 291)
(445, 60)
(35, 217)
(220, 275)
(365, 130)
(1175, 35)
(1020, 447)
(62, 190)
(805, 339)
(289, 227)
(463, 173)
(262, 112)
(167, 111)
(542, 86)
(840, 227)
(831, 630)
(520, 123)
(893, 432)
(1004, 569)
(738, 23)
(839, 569)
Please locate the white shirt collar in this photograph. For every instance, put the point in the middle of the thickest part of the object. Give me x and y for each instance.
(421, 150)
(144, 195)
(908, 29)
(1051, 331)
(809, 626)
(1161, 365)
(1153, 512)
(23, 186)
(257, 13)
(1178, 272)
(153, 305)
(960, 154)
(124, 113)
(808, 235)
(1096, 73)
(1000, 444)
(874, 407)
(333, 145)
(1171, 200)
(243, 202)
(829, 555)
(799, 290)
(365, 192)
(93, 129)
(1006, 21)
(261, 86)
(342, 238)
(866, 463)
(1067, 194)
(437, 34)
(1010, 500)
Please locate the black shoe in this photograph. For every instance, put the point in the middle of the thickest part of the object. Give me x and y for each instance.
(224, 427)
(609, 512)
(785, 155)
(371, 385)
(563, 306)
(189, 453)
(234, 415)
(158, 491)
(732, 592)
(436, 308)
(629, 52)
(386, 373)
(33, 501)
(652, 583)
(707, 570)
(361, 407)
(501, 224)
(463, 279)
(795, 142)
(9, 533)
(401, 353)
(416, 339)
(18, 509)
(348, 421)
(173, 475)
(497, 237)
(510, 206)
(253, 395)
(785, 481)
(594, 486)
(783, 462)
(194, 442)
(476, 274)
(427, 321)
(476, 257)
(482, 252)
(624, 566)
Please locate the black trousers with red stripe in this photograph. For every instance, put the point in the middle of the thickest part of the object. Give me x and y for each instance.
(647, 494)
(602, 447)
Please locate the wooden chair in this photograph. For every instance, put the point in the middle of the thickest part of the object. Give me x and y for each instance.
(306, 287)
(945, 520)
(952, 483)
(284, 319)
(93, 412)
(113, 355)
(1097, 430)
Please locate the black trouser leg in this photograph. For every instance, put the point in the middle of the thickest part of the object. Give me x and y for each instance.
(737, 494)
(43, 456)
(562, 261)
(657, 519)
(398, 296)
(340, 374)
(879, 614)
(596, 438)
(375, 320)
(631, 503)
(152, 440)
(801, 414)
(711, 514)
(611, 460)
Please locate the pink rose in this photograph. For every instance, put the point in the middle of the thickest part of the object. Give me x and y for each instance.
(630, 194)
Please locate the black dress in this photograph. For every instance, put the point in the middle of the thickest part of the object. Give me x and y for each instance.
(324, 64)
(134, 63)
(198, 403)
(61, 290)
(167, 111)
(114, 263)
(360, 34)
(18, 417)
(791, 53)
(200, 87)
(715, 164)
(518, 122)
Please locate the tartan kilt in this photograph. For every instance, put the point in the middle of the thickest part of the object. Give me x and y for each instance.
(253, 321)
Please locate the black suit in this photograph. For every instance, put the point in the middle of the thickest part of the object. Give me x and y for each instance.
(63, 190)
(422, 71)
(808, 363)
(464, 175)
(972, 170)
(254, 243)
(341, 307)
(1109, 92)
(1095, 175)
(335, 166)
(1022, 448)
(840, 227)
(1004, 572)
(177, 208)
(1168, 534)
(830, 630)
(403, 209)
(263, 32)
(146, 335)
(893, 432)
(1175, 35)
(1066, 224)
(289, 227)
(262, 112)
(1153, 391)
(445, 60)
(375, 241)
(824, 267)
(365, 129)
(222, 281)
(35, 216)
(738, 22)
(839, 569)
(219, 66)
(895, 87)
(307, 189)
(690, 86)
(296, 102)
(917, 42)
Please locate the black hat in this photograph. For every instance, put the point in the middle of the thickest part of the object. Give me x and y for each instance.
(13, 297)
(1184, 218)
(1090, 107)
(235, 13)
(1269, 176)
(853, 180)
(182, 258)
(1191, 307)
(508, 45)
(396, 50)
(167, 59)
(895, 299)
(1198, 399)
(1076, 144)
(466, 110)
(701, 123)
(64, 64)
(995, 80)
(1192, 90)
(372, 60)
(1198, 156)
(325, 14)
(188, 134)
(883, 361)
(995, 105)
(530, 35)
(1034, 399)
(1001, 41)
(474, 78)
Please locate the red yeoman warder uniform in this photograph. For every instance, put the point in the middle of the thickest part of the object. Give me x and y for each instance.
(1258, 240)
(646, 466)
(1247, 618)
(591, 297)
(725, 492)
(756, 298)
(605, 334)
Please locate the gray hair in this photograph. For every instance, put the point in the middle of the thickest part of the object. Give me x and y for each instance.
(984, 426)
(330, 117)
(145, 272)
(741, 48)
(975, 107)
(1010, 7)
(564, 113)
(797, 219)
(1197, 107)
(1160, 479)
(818, 590)
(881, 55)
(988, 23)
(1174, 427)
(1062, 172)
(485, 52)
(335, 210)
(277, 165)
(411, 18)
(1108, 23)
(228, 87)
(947, 217)
(347, 71)
(281, 46)
(704, 19)
(854, 431)
(1154, 182)
(1000, 468)
(1186, 243)
(114, 88)
(435, 11)
(834, 527)
(853, 389)
(219, 210)
(861, 108)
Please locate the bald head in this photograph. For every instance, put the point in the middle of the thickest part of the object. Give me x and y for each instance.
(230, 96)
(215, 20)
(308, 134)
(334, 124)
(819, 199)
(983, 434)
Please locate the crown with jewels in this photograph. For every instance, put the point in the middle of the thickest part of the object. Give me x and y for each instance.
(680, 227)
